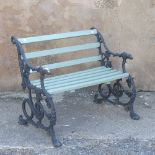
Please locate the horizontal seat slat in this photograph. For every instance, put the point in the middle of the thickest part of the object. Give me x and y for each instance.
(63, 50)
(56, 36)
(75, 80)
(87, 83)
(75, 77)
(72, 75)
(82, 80)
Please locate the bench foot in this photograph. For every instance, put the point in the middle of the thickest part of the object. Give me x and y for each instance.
(36, 110)
(134, 116)
(117, 90)
(55, 141)
(97, 100)
(22, 121)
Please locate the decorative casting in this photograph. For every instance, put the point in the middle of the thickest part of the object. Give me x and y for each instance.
(37, 111)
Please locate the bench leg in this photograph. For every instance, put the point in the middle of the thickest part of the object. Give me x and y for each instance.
(118, 90)
(37, 110)
(131, 84)
(55, 141)
(52, 118)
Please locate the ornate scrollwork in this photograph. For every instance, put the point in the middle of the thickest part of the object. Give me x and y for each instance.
(117, 89)
(104, 90)
(31, 115)
(36, 110)
(124, 92)
(125, 88)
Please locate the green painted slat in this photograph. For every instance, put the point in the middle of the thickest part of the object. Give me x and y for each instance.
(72, 62)
(75, 78)
(87, 84)
(72, 75)
(57, 36)
(81, 80)
(63, 50)
(67, 82)
(61, 81)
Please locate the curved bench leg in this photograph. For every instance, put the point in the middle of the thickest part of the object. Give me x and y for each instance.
(118, 90)
(52, 118)
(55, 141)
(37, 110)
(133, 114)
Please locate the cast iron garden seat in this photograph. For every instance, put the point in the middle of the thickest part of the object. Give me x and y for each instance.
(104, 76)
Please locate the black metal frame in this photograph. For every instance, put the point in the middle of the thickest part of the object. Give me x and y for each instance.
(38, 111)
(117, 89)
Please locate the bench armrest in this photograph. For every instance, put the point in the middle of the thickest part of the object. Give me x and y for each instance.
(42, 71)
(123, 55)
(106, 55)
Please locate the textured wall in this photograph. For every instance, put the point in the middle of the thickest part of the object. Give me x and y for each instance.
(127, 25)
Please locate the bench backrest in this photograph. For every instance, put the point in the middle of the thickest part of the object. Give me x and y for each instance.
(63, 50)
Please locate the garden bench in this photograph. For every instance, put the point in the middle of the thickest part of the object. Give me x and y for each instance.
(110, 82)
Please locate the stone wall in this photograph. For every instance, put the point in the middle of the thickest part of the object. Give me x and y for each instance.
(126, 25)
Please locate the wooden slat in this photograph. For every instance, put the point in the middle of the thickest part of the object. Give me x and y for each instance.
(72, 62)
(83, 79)
(57, 36)
(75, 80)
(96, 69)
(74, 74)
(74, 77)
(63, 50)
(61, 81)
(91, 82)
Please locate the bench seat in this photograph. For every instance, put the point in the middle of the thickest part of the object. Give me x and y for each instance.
(76, 80)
